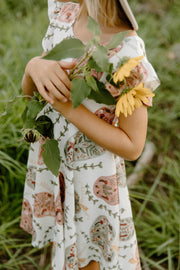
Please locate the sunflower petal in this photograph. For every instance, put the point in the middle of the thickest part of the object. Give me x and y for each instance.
(142, 98)
(118, 107)
(138, 103)
(143, 91)
(125, 70)
(130, 99)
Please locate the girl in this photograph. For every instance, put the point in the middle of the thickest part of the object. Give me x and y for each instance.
(85, 212)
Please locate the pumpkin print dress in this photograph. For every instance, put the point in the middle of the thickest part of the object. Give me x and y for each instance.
(85, 212)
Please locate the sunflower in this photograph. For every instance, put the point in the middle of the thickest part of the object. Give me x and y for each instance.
(125, 70)
(131, 99)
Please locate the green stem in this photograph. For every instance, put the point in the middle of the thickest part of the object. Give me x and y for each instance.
(125, 82)
(71, 75)
(126, 90)
(74, 74)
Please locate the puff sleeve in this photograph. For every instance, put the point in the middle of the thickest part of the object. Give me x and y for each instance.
(54, 7)
(151, 81)
(61, 17)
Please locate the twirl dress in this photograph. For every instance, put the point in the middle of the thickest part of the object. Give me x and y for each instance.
(86, 211)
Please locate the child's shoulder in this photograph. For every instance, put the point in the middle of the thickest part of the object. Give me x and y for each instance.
(131, 33)
(133, 37)
(131, 46)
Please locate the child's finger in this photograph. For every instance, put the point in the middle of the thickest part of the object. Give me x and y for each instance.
(61, 94)
(67, 65)
(42, 91)
(63, 77)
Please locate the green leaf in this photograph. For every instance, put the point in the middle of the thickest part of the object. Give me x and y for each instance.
(79, 91)
(109, 78)
(71, 47)
(101, 58)
(91, 82)
(36, 96)
(116, 40)
(45, 126)
(95, 41)
(93, 65)
(102, 96)
(29, 123)
(122, 61)
(93, 26)
(33, 108)
(111, 68)
(51, 156)
(24, 114)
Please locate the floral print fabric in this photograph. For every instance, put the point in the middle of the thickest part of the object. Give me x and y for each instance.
(85, 212)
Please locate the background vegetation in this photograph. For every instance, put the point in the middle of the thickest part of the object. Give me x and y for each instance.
(156, 199)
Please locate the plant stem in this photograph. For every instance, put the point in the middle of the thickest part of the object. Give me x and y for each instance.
(88, 53)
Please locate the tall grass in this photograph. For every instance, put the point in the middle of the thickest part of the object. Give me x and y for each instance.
(156, 199)
(20, 39)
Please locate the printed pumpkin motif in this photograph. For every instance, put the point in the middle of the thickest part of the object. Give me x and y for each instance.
(106, 188)
(126, 229)
(31, 177)
(106, 114)
(79, 148)
(44, 204)
(68, 12)
(71, 257)
(102, 234)
(26, 217)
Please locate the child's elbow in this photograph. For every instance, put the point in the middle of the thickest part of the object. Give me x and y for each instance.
(134, 156)
(134, 153)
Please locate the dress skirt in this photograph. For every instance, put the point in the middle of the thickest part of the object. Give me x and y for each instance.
(85, 212)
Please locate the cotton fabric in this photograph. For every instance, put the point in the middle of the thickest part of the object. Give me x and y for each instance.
(85, 212)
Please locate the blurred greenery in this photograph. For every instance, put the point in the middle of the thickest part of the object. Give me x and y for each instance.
(156, 199)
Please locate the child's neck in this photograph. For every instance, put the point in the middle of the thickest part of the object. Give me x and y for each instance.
(81, 31)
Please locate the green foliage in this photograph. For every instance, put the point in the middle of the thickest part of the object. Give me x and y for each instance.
(102, 95)
(45, 126)
(70, 47)
(18, 9)
(93, 26)
(156, 199)
(116, 40)
(91, 56)
(79, 91)
(51, 156)
(91, 82)
(101, 58)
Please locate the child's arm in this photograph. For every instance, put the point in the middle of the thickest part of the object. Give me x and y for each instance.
(126, 141)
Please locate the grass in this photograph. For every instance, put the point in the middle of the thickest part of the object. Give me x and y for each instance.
(156, 199)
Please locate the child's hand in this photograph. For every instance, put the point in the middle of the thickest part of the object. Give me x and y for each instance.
(50, 78)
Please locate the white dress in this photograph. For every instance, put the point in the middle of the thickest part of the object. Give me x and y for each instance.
(86, 211)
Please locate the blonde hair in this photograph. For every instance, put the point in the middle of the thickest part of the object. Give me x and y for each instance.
(109, 12)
